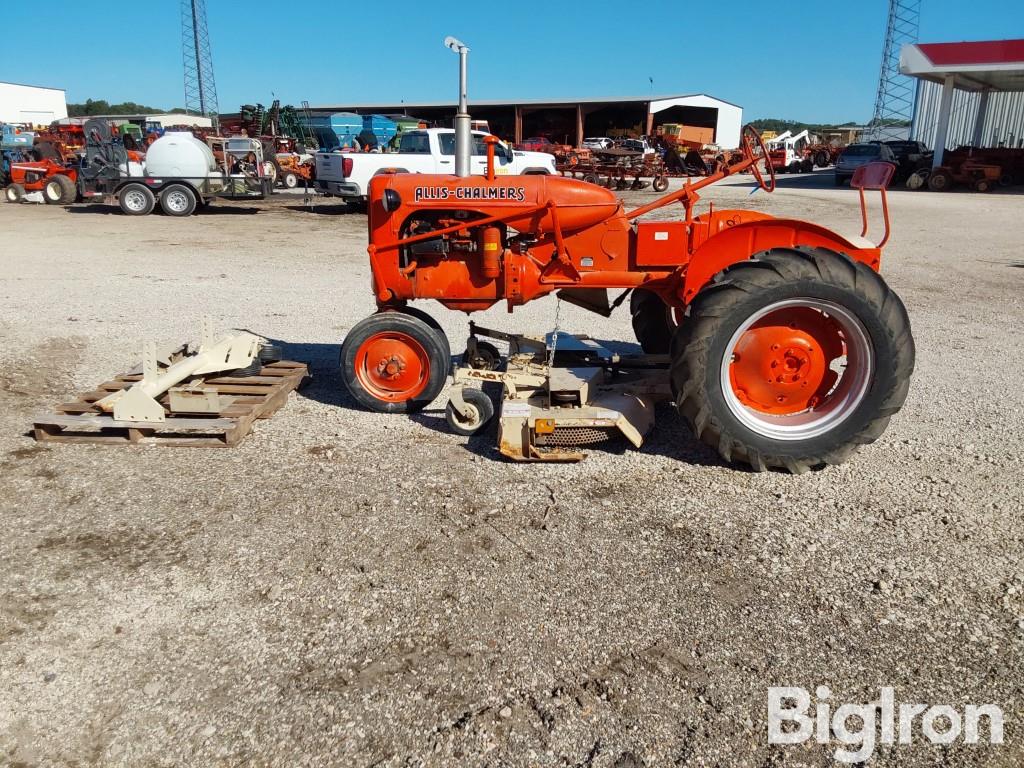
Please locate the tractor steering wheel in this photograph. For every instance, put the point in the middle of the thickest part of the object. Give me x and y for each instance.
(752, 141)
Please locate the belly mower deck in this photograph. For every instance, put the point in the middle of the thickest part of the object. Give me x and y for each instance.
(560, 393)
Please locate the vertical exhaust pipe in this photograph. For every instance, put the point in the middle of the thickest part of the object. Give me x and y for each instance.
(463, 136)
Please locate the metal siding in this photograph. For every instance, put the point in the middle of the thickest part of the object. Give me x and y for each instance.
(1004, 119)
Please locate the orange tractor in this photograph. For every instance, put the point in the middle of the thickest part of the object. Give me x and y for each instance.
(55, 180)
(775, 339)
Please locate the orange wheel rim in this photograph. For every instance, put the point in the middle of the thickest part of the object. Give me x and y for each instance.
(797, 368)
(392, 366)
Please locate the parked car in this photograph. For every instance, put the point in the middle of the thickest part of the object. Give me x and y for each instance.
(910, 156)
(638, 145)
(856, 155)
(598, 142)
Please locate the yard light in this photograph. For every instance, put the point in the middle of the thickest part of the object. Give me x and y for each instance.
(462, 132)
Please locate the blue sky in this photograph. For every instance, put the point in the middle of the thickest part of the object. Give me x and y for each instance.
(792, 62)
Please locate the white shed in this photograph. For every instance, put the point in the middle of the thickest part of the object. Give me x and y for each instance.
(31, 104)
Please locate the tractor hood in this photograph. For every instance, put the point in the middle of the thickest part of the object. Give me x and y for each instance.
(579, 203)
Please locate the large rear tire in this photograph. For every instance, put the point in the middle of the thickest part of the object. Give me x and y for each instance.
(792, 360)
(59, 190)
(394, 362)
(654, 322)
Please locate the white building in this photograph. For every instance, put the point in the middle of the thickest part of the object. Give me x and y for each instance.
(31, 104)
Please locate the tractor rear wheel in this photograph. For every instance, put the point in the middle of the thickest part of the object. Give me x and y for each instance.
(14, 193)
(178, 200)
(654, 322)
(59, 190)
(136, 200)
(793, 360)
(394, 362)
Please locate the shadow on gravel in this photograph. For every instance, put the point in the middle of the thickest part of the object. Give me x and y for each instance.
(670, 436)
(220, 209)
(324, 210)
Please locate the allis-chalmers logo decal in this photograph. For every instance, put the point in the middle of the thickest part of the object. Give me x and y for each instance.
(517, 194)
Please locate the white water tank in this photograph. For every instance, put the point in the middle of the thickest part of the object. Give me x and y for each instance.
(181, 155)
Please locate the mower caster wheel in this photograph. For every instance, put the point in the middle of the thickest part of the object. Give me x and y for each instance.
(480, 409)
(394, 362)
(271, 353)
(487, 357)
(14, 193)
(136, 200)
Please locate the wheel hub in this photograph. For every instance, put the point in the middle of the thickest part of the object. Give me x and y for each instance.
(796, 368)
(778, 369)
(393, 366)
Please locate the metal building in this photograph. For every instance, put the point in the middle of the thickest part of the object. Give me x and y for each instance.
(569, 121)
(968, 94)
(31, 104)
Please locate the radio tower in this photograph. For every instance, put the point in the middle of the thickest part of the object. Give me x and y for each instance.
(894, 104)
(200, 88)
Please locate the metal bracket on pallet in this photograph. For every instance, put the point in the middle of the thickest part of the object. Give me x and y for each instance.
(138, 403)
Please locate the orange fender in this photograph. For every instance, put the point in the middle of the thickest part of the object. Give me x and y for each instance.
(734, 244)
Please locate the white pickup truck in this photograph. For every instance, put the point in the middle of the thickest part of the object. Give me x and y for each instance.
(348, 174)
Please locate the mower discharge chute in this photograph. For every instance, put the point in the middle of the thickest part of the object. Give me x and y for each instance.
(776, 339)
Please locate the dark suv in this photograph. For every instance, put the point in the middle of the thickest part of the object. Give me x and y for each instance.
(856, 155)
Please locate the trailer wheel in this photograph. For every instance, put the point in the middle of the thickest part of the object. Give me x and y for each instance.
(290, 180)
(481, 411)
(14, 193)
(136, 200)
(654, 322)
(660, 183)
(59, 190)
(793, 360)
(393, 362)
(178, 200)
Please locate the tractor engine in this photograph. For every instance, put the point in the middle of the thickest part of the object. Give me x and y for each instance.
(470, 242)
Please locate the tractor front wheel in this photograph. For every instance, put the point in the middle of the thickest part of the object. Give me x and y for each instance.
(14, 193)
(793, 360)
(290, 180)
(394, 362)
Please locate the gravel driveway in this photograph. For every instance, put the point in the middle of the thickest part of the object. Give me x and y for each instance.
(352, 589)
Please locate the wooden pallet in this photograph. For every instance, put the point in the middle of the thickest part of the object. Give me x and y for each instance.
(255, 397)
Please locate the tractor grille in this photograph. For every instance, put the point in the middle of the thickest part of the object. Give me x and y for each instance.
(569, 436)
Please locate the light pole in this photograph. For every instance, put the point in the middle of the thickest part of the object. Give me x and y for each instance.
(463, 137)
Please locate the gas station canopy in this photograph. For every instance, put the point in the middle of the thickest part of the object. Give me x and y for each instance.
(985, 66)
(994, 65)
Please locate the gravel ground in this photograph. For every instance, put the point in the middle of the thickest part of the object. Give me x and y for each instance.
(347, 588)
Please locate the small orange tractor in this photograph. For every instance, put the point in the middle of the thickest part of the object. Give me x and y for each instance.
(56, 181)
(776, 339)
